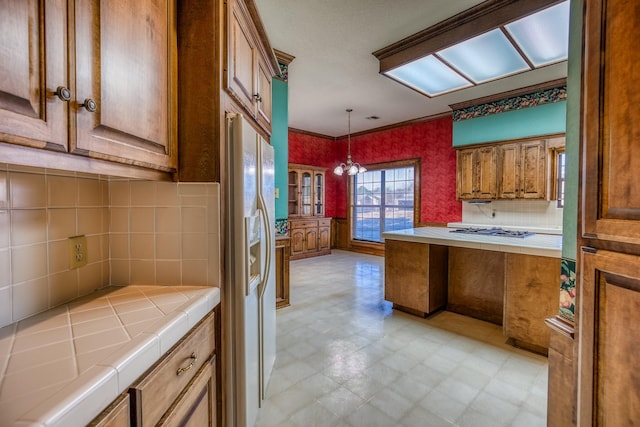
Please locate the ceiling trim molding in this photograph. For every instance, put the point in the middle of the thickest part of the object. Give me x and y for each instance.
(474, 21)
(509, 94)
(400, 124)
(314, 134)
(283, 57)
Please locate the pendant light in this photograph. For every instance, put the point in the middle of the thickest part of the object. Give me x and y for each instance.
(351, 168)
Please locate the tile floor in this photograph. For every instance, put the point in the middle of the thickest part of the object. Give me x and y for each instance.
(345, 358)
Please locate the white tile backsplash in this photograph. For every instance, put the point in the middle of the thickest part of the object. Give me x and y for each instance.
(515, 213)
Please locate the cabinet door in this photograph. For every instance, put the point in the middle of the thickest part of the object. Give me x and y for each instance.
(125, 66)
(465, 165)
(311, 239)
(610, 382)
(324, 238)
(33, 64)
(318, 194)
(486, 177)
(508, 185)
(196, 406)
(241, 61)
(263, 92)
(612, 122)
(306, 193)
(297, 241)
(294, 193)
(533, 170)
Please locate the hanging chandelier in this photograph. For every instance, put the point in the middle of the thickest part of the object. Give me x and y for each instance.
(351, 168)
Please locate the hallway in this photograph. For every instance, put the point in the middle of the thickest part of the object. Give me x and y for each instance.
(345, 358)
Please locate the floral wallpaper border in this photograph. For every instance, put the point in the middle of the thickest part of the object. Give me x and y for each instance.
(568, 289)
(547, 96)
(282, 226)
(284, 72)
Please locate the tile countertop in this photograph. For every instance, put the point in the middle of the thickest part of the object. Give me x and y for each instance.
(64, 366)
(540, 244)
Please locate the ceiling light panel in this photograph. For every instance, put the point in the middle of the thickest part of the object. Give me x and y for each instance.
(429, 75)
(485, 57)
(543, 36)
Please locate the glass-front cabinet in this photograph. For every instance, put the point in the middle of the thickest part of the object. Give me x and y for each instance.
(306, 191)
(309, 230)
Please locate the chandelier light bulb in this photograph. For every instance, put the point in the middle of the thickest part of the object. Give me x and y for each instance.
(351, 168)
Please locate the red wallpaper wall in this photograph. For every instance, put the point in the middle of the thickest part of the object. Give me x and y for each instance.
(430, 141)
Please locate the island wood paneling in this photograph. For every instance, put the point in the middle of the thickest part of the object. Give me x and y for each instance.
(476, 283)
(415, 278)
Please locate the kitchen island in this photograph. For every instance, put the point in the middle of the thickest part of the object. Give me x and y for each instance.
(509, 281)
(64, 366)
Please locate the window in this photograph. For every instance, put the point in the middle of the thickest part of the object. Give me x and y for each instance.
(559, 160)
(383, 199)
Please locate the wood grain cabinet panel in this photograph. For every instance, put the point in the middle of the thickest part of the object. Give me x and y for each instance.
(415, 276)
(115, 415)
(33, 64)
(248, 71)
(476, 173)
(282, 272)
(125, 64)
(116, 60)
(476, 283)
(156, 392)
(531, 296)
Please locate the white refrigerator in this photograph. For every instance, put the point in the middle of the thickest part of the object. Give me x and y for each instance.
(250, 271)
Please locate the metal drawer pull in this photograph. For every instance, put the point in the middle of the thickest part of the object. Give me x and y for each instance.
(194, 359)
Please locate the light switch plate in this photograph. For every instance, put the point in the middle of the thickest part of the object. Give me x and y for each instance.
(77, 251)
(276, 192)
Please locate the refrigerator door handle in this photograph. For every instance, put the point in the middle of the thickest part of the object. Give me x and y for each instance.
(268, 237)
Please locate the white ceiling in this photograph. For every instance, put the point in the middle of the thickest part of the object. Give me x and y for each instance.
(334, 69)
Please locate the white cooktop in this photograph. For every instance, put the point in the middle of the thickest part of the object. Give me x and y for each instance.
(63, 366)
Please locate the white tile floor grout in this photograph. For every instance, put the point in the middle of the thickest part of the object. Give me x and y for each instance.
(345, 358)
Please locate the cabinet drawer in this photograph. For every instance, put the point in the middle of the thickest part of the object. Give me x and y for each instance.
(303, 224)
(157, 391)
(325, 222)
(196, 406)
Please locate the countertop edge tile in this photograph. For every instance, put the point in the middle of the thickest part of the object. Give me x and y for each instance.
(86, 395)
(176, 325)
(97, 387)
(134, 359)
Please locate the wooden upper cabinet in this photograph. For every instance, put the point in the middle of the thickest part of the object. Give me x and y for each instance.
(306, 191)
(102, 85)
(33, 64)
(523, 170)
(248, 68)
(533, 169)
(476, 173)
(612, 122)
(125, 64)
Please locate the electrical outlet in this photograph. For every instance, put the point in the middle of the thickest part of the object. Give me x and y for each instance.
(77, 251)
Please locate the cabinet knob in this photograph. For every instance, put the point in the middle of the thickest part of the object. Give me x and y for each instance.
(258, 97)
(90, 105)
(63, 93)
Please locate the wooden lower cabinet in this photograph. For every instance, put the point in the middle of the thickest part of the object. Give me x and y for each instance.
(196, 405)
(115, 415)
(181, 389)
(476, 283)
(310, 237)
(415, 278)
(282, 271)
(161, 388)
(531, 296)
(561, 394)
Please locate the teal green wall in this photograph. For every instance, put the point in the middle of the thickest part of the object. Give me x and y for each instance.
(540, 120)
(280, 141)
(570, 211)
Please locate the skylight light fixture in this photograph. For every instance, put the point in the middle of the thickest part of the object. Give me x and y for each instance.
(529, 35)
(351, 168)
